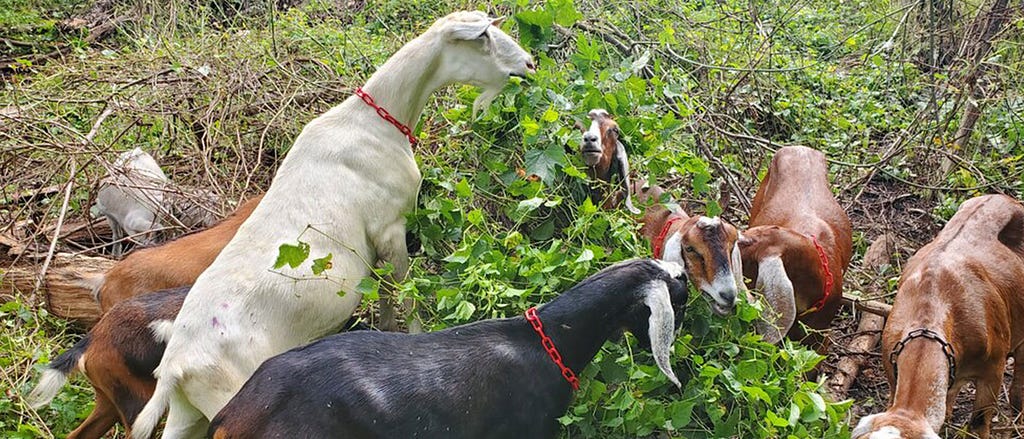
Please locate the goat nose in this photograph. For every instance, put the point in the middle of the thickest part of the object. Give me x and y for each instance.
(729, 297)
(530, 66)
(590, 137)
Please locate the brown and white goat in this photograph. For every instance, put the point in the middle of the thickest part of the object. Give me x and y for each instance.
(172, 264)
(706, 247)
(118, 355)
(121, 349)
(958, 314)
(605, 156)
(798, 246)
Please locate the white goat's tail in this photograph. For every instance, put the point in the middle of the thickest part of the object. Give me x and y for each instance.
(56, 374)
(150, 416)
(92, 282)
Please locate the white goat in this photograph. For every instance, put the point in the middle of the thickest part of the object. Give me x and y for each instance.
(352, 175)
(131, 196)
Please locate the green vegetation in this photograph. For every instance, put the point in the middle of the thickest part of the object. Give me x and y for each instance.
(703, 92)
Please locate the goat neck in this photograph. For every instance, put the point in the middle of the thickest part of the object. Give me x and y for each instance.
(580, 323)
(583, 318)
(655, 218)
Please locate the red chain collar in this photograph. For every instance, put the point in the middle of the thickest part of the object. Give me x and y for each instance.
(828, 279)
(659, 242)
(549, 346)
(386, 116)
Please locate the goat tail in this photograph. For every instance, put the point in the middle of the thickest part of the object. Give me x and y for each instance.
(149, 417)
(92, 282)
(57, 373)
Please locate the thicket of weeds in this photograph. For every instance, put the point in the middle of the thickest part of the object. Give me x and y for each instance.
(703, 92)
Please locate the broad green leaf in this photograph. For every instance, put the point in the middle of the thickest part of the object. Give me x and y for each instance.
(292, 255)
(322, 264)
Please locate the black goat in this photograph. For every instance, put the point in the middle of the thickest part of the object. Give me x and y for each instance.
(486, 379)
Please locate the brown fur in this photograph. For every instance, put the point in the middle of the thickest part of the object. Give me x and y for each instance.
(968, 286)
(795, 202)
(705, 250)
(172, 264)
(120, 359)
(607, 167)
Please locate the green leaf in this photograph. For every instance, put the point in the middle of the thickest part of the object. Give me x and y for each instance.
(681, 412)
(757, 393)
(462, 189)
(369, 287)
(322, 264)
(292, 255)
(544, 163)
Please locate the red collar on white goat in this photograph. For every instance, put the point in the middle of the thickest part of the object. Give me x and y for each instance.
(403, 128)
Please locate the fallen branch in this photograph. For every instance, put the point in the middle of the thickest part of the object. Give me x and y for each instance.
(67, 285)
(870, 326)
(869, 306)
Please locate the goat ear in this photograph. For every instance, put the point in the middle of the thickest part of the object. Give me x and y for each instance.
(497, 21)
(620, 155)
(736, 263)
(469, 30)
(778, 293)
(661, 327)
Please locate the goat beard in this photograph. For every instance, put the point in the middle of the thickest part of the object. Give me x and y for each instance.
(484, 99)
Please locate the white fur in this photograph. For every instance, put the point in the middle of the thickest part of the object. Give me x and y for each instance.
(709, 221)
(673, 251)
(737, 264)
(773, 282)
(162, 330)
(887, 432)
(351, 175)
(132, 196)
(673, 269)
(49, 385)
(661, 326)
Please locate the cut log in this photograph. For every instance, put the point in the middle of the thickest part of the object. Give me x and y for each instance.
(67, 287)
(871, 322)
(870, 328)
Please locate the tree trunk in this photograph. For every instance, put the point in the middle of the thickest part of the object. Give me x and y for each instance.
(67, 287)
(985, 28)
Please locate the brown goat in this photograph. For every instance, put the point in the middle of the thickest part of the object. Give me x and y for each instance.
(798, 246)
(172, 264)
(118, 355)
(605, 156)
(121, 350)
(706, 247)
(958, 314)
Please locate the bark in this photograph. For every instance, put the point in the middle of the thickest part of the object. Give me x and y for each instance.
(870, 326)
(67, 287)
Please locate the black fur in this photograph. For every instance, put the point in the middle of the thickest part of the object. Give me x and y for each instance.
(66, 362)
(489, 379)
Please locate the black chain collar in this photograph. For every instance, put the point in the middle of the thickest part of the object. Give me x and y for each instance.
(931, 335)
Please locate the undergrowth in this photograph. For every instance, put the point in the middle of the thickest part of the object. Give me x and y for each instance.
(703, 92)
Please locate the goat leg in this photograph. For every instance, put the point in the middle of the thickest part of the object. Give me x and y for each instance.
(1017, 385)
(985, 400)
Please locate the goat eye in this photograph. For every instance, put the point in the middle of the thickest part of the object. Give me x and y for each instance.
(689, 249)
